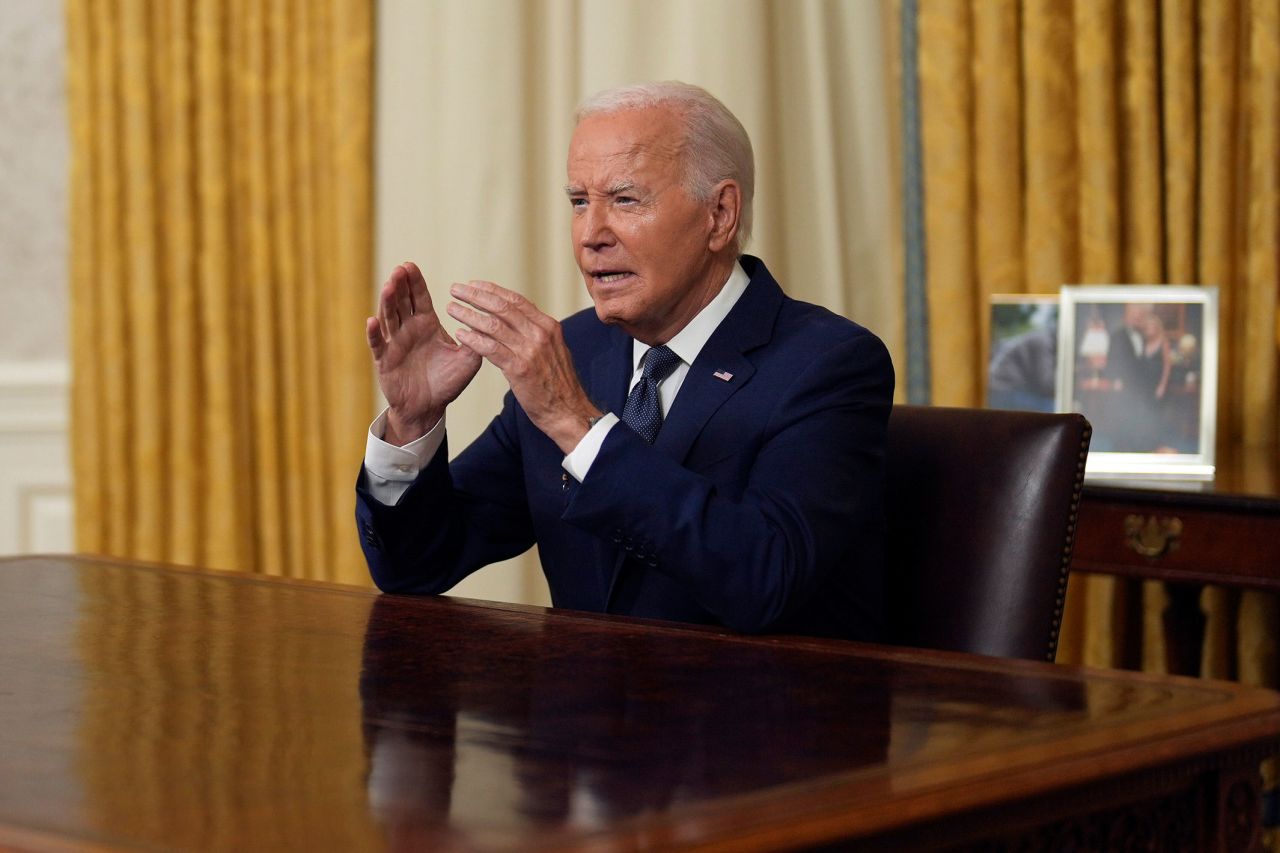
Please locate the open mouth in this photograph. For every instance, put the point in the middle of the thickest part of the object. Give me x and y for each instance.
(605, 277)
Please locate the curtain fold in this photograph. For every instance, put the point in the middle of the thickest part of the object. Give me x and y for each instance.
(221, 225)
(1102, 143)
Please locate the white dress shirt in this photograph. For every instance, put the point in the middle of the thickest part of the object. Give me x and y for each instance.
(393, 469)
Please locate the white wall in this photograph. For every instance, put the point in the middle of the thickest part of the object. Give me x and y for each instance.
(35, 503)
(33, 183)
(35, 475)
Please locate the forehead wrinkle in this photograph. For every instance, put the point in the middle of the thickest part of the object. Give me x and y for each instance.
(632, 158)
(626, 170)
(656, 148)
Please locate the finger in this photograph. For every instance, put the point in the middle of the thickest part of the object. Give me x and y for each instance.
(404, 303)
(486, 347)
(418, 293)
(502, 295)
(508, 305)
(373, 331)
(523, 340)
(485, 324)
(388, 313)
(520, 311)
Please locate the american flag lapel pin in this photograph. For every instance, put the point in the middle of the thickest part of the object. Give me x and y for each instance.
(723, 375)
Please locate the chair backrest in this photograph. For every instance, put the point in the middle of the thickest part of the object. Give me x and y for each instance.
(981, 507)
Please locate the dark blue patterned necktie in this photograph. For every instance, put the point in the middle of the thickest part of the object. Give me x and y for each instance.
(643, 411)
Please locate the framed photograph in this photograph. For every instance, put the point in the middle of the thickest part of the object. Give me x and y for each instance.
(1022, 360)
(1141, 363)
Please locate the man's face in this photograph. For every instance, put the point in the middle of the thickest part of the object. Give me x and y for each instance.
(1136, 314)
(640, 239)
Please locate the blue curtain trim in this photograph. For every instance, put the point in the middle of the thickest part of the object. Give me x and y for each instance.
(915, 266)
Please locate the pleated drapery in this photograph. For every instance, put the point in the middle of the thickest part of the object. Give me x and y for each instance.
(1100, 143)
(221, 254)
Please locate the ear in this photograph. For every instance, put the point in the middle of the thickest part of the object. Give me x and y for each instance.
(725, 208)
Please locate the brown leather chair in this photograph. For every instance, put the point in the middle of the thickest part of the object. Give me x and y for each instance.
(981, 508)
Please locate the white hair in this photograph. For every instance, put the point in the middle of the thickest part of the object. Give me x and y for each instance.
(716, 146)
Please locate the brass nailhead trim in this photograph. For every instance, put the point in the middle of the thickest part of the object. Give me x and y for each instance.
(1077, 492)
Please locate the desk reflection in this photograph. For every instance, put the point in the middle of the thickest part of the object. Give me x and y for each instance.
(520, 725)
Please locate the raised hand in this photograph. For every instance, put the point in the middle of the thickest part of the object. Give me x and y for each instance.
(421, 369)
(528, 347)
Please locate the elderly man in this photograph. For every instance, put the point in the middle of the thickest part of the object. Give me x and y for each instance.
(700, 447)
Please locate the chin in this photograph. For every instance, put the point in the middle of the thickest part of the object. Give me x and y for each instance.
(612, 315)
(608, 316)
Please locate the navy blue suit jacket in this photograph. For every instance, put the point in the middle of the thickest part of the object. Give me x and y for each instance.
(759, 507)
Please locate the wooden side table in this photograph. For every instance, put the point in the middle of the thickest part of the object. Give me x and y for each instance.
(1224, 532)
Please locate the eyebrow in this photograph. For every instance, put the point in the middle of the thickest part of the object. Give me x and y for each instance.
(615, 189)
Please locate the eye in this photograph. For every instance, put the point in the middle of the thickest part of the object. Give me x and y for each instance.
(577, 203)
(626, 199)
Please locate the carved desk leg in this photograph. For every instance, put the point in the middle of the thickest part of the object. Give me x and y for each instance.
(1238, 811)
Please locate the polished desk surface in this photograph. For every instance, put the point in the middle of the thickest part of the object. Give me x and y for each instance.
(148, 707)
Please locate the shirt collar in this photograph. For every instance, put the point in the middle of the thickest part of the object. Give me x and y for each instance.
(690, 340)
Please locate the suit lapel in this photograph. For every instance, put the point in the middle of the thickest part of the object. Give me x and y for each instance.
(701, 395)
(748, 325)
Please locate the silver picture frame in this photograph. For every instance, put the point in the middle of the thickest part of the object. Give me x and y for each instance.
(1141, 363)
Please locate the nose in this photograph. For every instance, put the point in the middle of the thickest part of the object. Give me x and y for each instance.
(593, 228)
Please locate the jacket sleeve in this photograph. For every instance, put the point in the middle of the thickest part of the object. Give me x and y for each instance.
(814, 486)
(438, 534)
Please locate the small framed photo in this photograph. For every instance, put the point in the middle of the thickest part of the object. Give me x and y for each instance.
(1141, 363)
(1022, 361)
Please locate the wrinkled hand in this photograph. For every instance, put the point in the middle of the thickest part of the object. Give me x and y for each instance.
(528, 347)
(420, 368)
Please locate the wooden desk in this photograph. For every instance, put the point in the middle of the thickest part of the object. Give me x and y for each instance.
(1222, 532)
(145, 707)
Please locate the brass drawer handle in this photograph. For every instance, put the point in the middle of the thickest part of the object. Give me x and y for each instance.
(1152, 537)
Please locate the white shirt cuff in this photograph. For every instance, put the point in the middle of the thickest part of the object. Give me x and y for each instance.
(579, 460)
(393, 469)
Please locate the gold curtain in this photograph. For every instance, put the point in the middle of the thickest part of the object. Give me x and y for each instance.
(221, 255)
(1100, 142)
